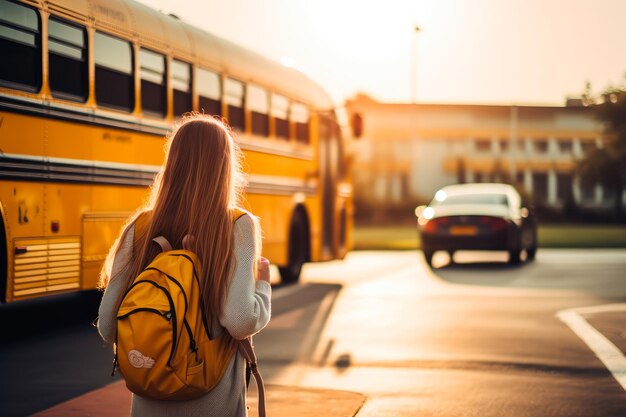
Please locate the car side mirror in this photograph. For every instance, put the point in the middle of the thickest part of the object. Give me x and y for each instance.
(419, 210)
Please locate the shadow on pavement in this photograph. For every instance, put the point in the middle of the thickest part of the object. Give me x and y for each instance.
(484, 269)
(298, 320)
(34, 319)
(50, 352)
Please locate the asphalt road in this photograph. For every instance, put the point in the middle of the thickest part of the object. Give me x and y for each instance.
(472, 338)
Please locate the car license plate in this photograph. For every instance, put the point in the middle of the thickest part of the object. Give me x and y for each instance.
(463, 230)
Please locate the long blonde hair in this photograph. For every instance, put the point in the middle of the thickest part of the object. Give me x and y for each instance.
(199, 185)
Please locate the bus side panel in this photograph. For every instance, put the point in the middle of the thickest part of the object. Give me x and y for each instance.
(95, 212)
(271, 211)
(274, 213)
(92, 142)
(262, 163)
(21, 134)
(100, 232)
(24, 205)
(110, 209)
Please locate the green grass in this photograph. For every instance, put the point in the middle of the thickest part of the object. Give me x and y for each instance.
(582, 236)
(550, 236)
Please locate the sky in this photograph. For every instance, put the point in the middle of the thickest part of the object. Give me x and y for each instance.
(466, 51)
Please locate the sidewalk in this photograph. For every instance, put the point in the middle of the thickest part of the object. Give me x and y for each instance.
(113, 400)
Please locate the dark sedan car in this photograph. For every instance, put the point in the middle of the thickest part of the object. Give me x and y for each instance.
(477, 217)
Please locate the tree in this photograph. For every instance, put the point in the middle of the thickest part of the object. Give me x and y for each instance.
(607, 164)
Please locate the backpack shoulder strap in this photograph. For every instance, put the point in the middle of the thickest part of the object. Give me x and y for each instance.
(238, 213)
(247, 350)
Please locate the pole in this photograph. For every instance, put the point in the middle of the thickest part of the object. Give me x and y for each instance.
(413, 75)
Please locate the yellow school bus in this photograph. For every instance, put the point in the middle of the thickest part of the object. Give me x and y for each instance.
(88, 91)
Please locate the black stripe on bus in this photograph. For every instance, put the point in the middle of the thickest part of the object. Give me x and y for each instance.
(17, 169)
(84, 117)
(45, 170)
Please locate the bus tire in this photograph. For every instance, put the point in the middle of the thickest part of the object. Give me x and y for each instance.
(4, 261)
(299, 247)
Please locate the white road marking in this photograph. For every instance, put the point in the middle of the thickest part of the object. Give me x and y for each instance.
(607, 352)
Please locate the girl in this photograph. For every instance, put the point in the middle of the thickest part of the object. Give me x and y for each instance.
(195, 193)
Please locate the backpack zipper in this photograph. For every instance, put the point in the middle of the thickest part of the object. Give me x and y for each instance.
(202, 307)
(172, 312)
(166, 315)
(193, 344)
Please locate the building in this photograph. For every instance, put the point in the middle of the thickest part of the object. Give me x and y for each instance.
(408, 151)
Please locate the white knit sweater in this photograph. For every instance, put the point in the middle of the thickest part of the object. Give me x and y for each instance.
(246, 311)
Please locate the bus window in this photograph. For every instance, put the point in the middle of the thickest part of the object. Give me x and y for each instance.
(233, 95)
(153, 86)
(280, 112)
(114, 72)
(300, 116)
(257, 101)
(20, 40)
(67, 46)
(181, 84)
(209, 92)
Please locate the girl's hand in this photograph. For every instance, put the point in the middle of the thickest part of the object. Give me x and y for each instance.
(263, 269)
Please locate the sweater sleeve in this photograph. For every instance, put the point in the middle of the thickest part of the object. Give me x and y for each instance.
(107, 314)
(247, 309)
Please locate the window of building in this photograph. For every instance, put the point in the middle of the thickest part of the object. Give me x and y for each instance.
(181, 84)
(540, 187)
(20, 39)
(519, 178)
(564, 191)
(504, 145)
(540, 146)
(483, 145)
(257, 101)
(280, 113)
(565, 146)
(299, 115)
(114, 72)
(608, 192)
(587, 191)
(478, 176)
(153, 83)
(67, 60)
(233, 95)
(588, 146)
(209, 92)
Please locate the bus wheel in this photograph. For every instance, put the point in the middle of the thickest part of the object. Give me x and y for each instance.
(299, 244)
(4, 264)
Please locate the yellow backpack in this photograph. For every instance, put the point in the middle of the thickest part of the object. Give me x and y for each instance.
(164, 348)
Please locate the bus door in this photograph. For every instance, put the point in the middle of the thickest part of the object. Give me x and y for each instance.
(328, 168)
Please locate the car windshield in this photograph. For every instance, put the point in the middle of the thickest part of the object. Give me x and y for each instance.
(497, 199)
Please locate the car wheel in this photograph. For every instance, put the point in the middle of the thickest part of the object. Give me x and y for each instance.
(532, 251)
(428, 256)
